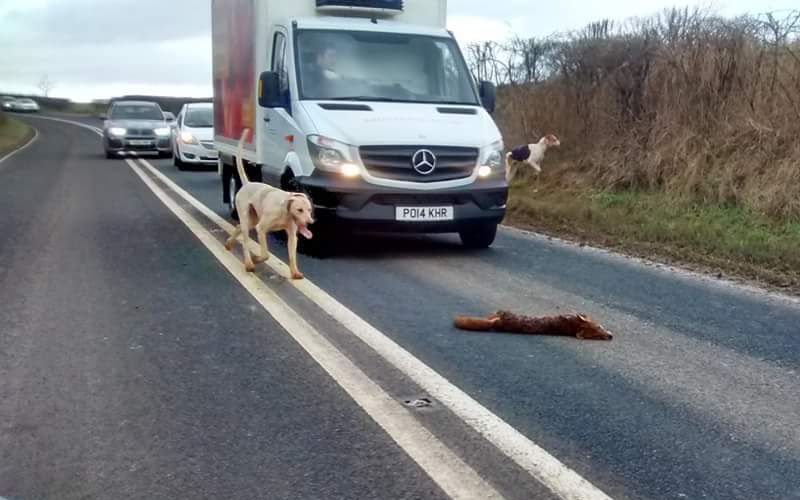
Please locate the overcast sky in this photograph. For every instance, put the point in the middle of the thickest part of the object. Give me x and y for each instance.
(102, 48)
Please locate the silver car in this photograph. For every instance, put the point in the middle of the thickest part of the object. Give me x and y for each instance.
(22, 105)
(136, 126)
(7, 102)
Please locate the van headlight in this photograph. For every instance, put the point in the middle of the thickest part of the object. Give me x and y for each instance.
(331, 155)
(492, 158)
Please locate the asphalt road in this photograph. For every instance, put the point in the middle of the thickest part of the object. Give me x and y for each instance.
(133, 365)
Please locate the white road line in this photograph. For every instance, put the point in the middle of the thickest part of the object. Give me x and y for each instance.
(23, 147)
(547, 469)
(455, 477)
(94, 129)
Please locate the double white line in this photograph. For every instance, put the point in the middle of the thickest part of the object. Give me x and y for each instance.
(454, 476)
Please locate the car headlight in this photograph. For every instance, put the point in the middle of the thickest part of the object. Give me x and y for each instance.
(331, 155)
(117, 131)
(188, 138)
(162, 132)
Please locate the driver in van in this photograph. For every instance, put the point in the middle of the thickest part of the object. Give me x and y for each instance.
(326, 61)
(322, 80)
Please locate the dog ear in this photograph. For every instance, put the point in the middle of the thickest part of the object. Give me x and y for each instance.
(289, 200)
(303, 196)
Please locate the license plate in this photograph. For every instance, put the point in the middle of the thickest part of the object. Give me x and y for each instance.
(423, 214)
(140, 143)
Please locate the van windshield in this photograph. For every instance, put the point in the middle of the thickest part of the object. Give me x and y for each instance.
(368, 66)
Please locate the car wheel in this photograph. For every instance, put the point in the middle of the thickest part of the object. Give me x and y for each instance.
(110, 155)
(176, 160)
(477, 237)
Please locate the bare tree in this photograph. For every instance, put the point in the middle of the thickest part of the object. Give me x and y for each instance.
(46, 85)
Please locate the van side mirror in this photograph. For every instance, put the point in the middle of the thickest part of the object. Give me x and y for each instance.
(488, 94)
(269, 90)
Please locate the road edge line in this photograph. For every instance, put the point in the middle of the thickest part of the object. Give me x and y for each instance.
(23, 147)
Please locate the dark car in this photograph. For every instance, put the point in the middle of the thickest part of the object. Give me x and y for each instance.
(136, 126)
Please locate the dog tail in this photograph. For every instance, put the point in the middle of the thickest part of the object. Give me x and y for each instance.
(239, 161)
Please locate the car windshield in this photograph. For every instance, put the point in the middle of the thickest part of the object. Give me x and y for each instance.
(136, 112)
(7, 99)
(367, 66)
(199, 117)
(26, 101)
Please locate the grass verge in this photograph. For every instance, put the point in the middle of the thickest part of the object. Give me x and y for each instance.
(13, 134)
(716, 238)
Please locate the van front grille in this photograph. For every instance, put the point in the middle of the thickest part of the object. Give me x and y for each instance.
(395, 162)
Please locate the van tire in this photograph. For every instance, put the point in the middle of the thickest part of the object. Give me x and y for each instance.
(479, 236)
(234, 185)
(230, 186)
(322, 244)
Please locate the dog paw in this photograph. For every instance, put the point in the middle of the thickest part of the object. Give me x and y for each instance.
(259, 259)
(297, 275)
(250, 267)
(228, 246)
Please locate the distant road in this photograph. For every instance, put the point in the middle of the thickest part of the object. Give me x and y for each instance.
(134, 363)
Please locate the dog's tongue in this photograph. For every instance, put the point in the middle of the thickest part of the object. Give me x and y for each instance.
(305, 232)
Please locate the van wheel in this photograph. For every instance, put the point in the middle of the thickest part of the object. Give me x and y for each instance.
(322, 244)
(234, 185)
(477, 237)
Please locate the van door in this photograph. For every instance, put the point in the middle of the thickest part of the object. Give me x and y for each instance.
(280, 125)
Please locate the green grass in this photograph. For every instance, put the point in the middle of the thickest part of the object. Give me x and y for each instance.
(724, 239)
(13, 133)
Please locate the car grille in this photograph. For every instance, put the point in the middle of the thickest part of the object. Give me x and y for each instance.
(140, 132)
(394, 162)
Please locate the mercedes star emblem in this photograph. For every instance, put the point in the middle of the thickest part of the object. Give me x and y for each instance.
(424, 161)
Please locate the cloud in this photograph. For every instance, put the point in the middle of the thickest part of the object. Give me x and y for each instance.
(93, 45)
(102, 47)
(91, 22)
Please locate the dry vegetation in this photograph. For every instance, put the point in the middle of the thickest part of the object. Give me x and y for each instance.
(685, 103)
(680, 137)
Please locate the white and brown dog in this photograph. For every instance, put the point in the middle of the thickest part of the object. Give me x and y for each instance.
(530, 154)
(269, 209)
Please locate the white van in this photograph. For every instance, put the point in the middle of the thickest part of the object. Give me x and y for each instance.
(366, 105)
